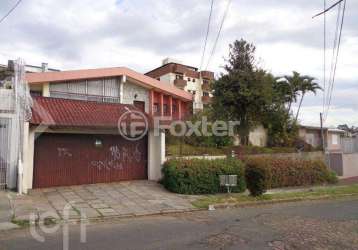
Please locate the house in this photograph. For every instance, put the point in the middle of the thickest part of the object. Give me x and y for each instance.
(332, 137)
(257, 137)
(73, 136)
(188, 78)
(9, 123)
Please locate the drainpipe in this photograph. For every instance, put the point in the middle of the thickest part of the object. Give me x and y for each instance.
(20, 178)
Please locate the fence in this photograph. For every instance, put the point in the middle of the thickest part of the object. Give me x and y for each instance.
(5, 153)
(350, 145)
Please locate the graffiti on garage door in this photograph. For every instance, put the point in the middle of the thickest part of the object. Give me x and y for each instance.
(69, 159)
(118, 156)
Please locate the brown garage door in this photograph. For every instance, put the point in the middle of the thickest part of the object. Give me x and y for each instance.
(67, 159)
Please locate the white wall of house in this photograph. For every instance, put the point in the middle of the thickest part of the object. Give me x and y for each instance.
(350, 165)
(168, 78)
(133, 92)
(156, 155)
(334, 141)
(257, 137)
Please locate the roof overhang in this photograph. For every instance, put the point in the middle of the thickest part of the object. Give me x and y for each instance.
(138, 78)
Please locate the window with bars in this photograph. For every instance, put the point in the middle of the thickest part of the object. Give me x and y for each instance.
(99, 90)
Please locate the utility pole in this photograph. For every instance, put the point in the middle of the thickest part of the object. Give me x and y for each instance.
(322, 133)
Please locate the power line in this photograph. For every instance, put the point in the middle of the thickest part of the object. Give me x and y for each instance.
(334, 52)
(326, 10)
(324, 55)
(219, 33)
(11, 10)
(207, 34)
(338, 49)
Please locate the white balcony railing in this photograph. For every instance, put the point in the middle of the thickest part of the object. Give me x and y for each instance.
(7, 103)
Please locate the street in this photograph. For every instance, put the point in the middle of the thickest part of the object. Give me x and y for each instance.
(328, 224)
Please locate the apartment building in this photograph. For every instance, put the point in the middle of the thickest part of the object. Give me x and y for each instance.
(187, 78)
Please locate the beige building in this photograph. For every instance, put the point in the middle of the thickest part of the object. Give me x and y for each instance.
(73, 137)
(187, 78)
(332, 137)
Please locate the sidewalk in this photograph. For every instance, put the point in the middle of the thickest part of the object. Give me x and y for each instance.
(99, 201)
(5, 212)
(5, 208)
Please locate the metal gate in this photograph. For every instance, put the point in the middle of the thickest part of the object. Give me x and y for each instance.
(335, 162)
(5, 152)
(69, 159)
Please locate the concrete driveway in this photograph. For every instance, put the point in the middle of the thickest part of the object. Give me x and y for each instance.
(122, 199)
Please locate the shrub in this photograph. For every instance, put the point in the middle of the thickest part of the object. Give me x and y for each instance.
(198, 176)
(286, 172)
(257, 180)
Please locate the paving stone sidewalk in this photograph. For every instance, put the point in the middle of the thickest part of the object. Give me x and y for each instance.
(5, 209)
(122, 199)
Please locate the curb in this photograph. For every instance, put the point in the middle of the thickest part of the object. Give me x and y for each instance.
(115, 217)
(278, 201)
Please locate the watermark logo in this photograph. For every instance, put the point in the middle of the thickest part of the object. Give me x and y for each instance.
(201, 127)
(45, 224)
(133, 125)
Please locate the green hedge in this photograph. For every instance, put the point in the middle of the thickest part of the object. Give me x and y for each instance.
(288, 172)
(197, 176)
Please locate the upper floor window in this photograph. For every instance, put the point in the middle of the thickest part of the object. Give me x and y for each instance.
(174, 107)
(99, 90)
(177, 76)
(156, 108)
(165, 109)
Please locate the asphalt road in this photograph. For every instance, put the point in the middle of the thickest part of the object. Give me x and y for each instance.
(329, 224)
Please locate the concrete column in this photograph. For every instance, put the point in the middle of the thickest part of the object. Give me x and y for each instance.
(171, 106)
(151, 101)
(156, 155)
(179, 109)
(161, 104)
(29, 162)
(46, 90)
(121, 88)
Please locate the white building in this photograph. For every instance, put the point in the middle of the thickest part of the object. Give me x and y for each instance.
(187, 78)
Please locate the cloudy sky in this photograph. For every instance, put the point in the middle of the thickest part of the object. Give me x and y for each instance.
(72, 34)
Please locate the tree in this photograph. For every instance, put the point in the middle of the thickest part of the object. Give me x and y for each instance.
(292, 87)
(306, 86)
(244, 91)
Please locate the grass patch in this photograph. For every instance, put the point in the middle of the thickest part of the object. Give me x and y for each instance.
(314, 193)
(21, 223)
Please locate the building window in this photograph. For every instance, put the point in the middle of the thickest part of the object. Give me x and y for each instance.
(165, 109)
(334, 139)
(189, 79)
(34, 93)
(194, 80)
(174, 107)
(156, 108)
(194, 92)
(205, 94)
(179, 77)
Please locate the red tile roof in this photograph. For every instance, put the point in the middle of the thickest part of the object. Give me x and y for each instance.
(144, 80)
(56, 112)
